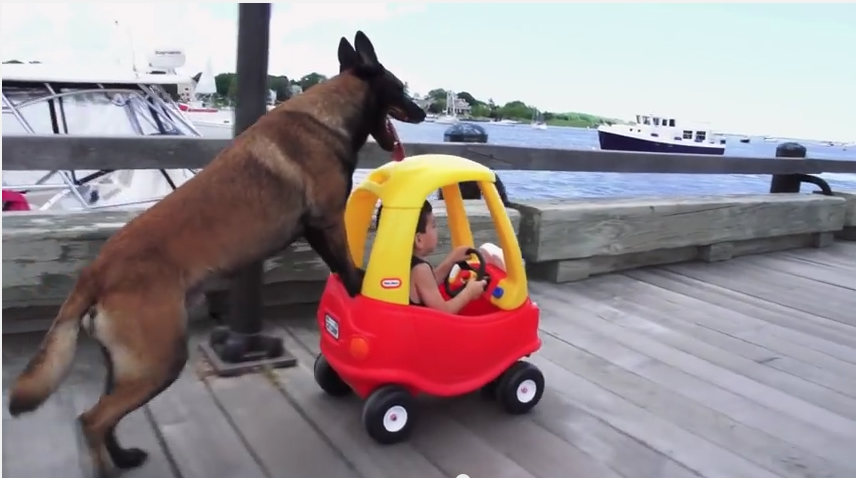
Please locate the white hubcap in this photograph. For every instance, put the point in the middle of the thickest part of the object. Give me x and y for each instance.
(526, 391)
(395, 419)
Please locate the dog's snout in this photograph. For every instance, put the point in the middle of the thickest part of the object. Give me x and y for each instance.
(409, 112)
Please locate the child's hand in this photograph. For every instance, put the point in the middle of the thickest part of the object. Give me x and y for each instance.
(459, 254)
(475, 288)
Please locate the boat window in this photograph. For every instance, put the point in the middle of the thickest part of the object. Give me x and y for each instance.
(700, 136)
(11, 125)
(672, 123)
(36, 114)
(646, 120)
(638, 120)
(656, 121)
(688, 134)
(94, 113)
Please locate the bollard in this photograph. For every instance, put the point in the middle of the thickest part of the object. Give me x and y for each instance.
(241, 347)
(788, 183)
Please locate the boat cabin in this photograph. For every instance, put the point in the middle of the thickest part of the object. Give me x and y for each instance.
(67, 99)
(670, 128)
(47, 99)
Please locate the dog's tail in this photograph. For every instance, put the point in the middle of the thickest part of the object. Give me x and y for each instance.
(49, 366)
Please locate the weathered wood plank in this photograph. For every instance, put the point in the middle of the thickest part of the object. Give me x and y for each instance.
(84, 386)
(48, 152)
(43, 253)
(828, 336)
(46, 442)
(842, 255)
(530, 445)
(790, 291)
(693, 452)
(199, 436)
(570, 239)
(280, 437)
(741, 416)
(622, 452)
(340, 420)
(585, 227)
(576, 428)
(848, 233)
(828, 275)
(706, 362)
(758, 447)
(736, 334)
(449, 446)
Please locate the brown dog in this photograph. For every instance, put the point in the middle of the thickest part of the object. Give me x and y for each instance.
(287, 176)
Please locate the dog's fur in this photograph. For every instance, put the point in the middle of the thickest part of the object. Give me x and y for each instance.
(287, 176)
(470, 190)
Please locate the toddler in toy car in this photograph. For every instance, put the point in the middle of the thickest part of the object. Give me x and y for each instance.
(425, 279)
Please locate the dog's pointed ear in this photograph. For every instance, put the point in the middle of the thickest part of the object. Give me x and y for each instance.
(365, 49)
(348, 57)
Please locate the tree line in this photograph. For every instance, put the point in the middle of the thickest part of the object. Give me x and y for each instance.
(434, 101)
(513, 110)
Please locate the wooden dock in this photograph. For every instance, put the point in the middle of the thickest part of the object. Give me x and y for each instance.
(737, 369)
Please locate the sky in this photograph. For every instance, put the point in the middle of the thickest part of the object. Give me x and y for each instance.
(776, 69)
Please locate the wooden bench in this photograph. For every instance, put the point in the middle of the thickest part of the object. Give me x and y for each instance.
(848, 232)
(43, 252)
(571, 239)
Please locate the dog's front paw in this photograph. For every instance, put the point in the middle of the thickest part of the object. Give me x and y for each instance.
(355, 285)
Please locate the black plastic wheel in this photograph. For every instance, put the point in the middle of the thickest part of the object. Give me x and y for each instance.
(520, 388)
(389, 414)
(328, 379)
(218, 336)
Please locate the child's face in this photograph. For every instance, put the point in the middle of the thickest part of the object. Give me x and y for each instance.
(426, 241)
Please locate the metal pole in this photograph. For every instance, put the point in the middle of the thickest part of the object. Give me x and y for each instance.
(242, 347)
(253, 44)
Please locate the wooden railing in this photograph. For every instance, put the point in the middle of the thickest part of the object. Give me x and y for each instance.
(561, 240)
(164, 152)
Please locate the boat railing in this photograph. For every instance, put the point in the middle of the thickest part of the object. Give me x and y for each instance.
(150, 112)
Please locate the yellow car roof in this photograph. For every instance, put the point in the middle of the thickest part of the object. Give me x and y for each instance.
(405, 184)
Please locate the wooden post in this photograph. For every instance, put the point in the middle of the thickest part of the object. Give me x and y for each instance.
(241, 346)
(788, 183)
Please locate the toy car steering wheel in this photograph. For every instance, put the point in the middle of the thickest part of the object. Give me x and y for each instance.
(481, 272)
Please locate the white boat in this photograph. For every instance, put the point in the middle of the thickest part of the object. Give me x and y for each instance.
(661, 134)
(505, 122)
(450, 116)
(93, 101)
(538, 121)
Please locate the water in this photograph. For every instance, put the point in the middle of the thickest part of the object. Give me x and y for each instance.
(547, 184)
(550, 184)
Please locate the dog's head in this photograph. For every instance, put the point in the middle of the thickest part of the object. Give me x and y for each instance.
(386, 92)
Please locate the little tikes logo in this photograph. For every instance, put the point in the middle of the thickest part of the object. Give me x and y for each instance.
(390, 283)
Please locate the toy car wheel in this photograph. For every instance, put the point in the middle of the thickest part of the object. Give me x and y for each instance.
(388, 414)
(328, 379)
(520, 388)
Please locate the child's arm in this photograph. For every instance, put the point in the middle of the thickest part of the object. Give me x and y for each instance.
(426, 287)
(442, 271)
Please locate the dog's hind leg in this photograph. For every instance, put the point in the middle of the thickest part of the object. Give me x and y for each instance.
(141, 364)
(331, 243)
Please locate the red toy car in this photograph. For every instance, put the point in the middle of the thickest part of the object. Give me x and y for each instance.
(387, 351)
